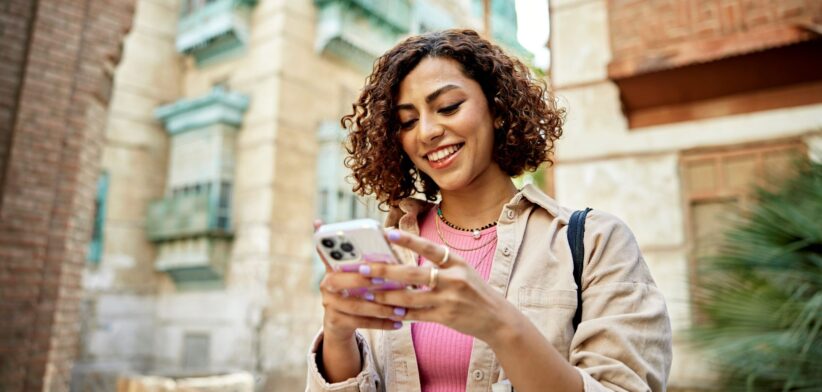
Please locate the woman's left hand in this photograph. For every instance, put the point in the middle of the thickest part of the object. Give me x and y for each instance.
(460, 299)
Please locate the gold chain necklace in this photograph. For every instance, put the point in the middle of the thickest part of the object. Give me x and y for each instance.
(442, 238)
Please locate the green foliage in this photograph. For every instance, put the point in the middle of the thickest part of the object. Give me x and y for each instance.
(762, 292)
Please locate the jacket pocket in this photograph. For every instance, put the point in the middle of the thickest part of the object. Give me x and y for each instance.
(552, 312)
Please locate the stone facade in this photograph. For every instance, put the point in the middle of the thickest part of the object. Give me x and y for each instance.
(265, 308)
(608, 162)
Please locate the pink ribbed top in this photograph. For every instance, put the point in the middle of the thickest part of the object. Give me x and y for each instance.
(442, 353)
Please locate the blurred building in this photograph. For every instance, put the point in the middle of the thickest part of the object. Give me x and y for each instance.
(222, 145)
(675, 108)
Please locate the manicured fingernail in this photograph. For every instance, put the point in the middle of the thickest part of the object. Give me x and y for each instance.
(393, 235)
(358, 291)
(397, 325)
(365, 269)
(344, 293)
(369, 296)
(399, 311)
(377, 280)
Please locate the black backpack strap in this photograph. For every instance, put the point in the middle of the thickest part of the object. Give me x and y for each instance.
(576, 233)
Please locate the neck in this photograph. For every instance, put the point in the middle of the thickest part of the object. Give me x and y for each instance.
(478, 204)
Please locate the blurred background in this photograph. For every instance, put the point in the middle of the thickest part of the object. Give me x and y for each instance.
(162, 162)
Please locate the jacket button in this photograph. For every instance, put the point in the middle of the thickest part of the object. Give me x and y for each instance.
(506, 251)
(478, 375)
(510, 214)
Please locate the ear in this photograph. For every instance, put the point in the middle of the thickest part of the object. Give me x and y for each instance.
(498, 123)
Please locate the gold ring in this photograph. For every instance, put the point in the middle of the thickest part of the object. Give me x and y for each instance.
(432, 278)
(447, 253)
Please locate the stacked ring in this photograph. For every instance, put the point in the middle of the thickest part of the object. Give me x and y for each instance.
(445, 258)
(432, 278)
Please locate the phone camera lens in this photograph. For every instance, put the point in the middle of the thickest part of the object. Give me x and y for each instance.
(327, 242)
(336, 255)
(346, 247)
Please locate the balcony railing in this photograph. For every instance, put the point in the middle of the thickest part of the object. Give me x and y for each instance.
(358, 31)
(190, 212)
(394, 13)
(211, 29)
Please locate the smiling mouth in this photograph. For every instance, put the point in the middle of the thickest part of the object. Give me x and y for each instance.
(444, 153)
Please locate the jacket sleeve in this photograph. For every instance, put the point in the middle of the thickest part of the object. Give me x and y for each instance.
(366, 381)
(624, 340)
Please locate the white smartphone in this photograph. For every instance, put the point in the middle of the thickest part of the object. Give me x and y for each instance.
(353, 242)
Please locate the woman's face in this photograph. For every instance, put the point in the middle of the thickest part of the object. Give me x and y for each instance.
(446, 127)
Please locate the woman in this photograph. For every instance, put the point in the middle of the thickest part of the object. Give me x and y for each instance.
(449, 116)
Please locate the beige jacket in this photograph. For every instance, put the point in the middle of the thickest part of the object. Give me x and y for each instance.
(622, 344)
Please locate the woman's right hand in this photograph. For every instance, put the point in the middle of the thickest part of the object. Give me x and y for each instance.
(347, 299)
(347, 307)
(347, 296)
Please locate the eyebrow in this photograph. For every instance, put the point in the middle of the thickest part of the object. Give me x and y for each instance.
(430, 97)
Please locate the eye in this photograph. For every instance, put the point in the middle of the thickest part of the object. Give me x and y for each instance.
(451, 109)
(408, 124)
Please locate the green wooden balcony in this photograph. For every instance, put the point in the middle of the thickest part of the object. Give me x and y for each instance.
(196, 212)
(219, 106)
(192, 231)
(213, 29)
(194, 263)
(393, 13)
(357, 31)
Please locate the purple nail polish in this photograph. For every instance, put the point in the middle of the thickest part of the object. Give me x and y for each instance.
(369, 296)
(393, 235)
(377, 280)
(365, 269)
(399, 311)
(358, 291)
(397, 325)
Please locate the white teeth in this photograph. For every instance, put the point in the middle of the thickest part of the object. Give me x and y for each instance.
(440, 154)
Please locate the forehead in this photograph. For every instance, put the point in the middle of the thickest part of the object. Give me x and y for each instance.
(430, 74)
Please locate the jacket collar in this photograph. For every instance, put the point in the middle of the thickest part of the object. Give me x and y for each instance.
(405, 216)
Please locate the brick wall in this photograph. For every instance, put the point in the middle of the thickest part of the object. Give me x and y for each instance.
(57, 64)
(15, 21)
(648, 35)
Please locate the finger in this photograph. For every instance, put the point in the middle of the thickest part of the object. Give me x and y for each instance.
(335, 282)
(364, 308)
(339, 319)
(411, 299)
(423, 314)
(403, 274)
(425, 248)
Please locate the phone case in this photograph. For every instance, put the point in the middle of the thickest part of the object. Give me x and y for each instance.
(353, 242)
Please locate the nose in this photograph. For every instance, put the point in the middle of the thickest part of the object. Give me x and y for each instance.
(430, 130)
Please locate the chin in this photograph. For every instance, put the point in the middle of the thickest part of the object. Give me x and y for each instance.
(450, 183)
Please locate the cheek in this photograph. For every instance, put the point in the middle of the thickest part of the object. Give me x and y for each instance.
(407, 144)
(484, 135)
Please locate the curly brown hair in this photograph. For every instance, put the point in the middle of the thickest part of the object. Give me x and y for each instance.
(531, 120)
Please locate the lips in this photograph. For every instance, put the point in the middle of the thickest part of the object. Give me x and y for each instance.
(444, 153)
(444, 156)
